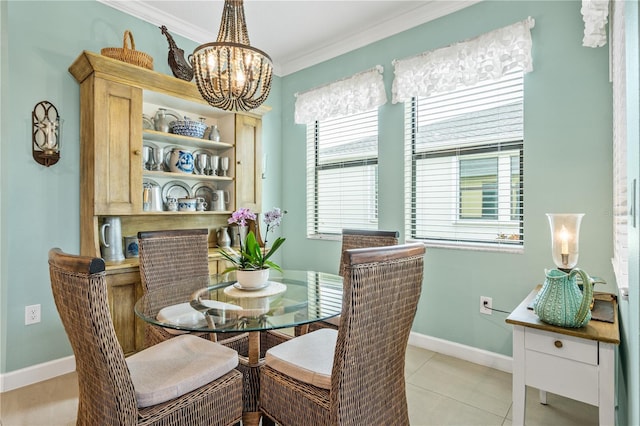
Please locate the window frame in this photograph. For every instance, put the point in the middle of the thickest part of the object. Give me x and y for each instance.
(313, 226)
(501, 148)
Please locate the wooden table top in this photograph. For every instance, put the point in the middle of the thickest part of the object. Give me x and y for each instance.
(594, 330)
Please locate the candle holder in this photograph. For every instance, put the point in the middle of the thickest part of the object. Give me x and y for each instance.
(45, 135)
(560, 301)
(565, 236)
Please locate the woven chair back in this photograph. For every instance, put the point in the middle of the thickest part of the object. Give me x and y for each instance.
(106, 393)
(367, 384)
(361, 238)
(175, 262)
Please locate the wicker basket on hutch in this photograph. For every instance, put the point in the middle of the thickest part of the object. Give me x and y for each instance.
(128, 54)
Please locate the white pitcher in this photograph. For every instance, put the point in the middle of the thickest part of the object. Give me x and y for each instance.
(220, 200)
(223, 237)
(111, 240)
(181, 161)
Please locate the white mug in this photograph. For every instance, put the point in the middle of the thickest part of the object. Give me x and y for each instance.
(201, 204)
(172, 204)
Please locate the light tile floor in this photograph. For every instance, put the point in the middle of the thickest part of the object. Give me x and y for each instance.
(441, 390)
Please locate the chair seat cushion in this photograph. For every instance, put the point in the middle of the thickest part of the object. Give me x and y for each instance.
(307, 358)
(177, 366)
(183, 314)
(334, 321)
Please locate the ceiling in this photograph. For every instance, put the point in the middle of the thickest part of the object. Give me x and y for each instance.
(295, 33)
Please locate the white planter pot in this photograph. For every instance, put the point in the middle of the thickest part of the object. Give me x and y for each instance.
(252, 279)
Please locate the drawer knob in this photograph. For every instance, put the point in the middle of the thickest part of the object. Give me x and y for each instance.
(558, 344)
(137, 152)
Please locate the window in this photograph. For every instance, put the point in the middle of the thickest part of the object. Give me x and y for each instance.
(624, 203)
(464, 165)
(342, 174)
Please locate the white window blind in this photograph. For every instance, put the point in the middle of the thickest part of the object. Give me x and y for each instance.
(464, 166)
(342, 174)
(324, 294)
(620, 195)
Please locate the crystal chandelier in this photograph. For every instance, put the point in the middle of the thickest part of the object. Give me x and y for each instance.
(229, 73)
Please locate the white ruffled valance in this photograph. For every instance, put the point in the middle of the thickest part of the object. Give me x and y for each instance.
(594, 15)
(488, 56)
(358, 93)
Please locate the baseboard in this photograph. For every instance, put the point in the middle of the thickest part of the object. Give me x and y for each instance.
(48, 370)
(37, 373)
(467, 353)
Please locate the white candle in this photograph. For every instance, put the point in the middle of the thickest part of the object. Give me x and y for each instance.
(564, 240)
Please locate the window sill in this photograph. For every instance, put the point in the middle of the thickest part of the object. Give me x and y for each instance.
(325, 237)
(506, 248)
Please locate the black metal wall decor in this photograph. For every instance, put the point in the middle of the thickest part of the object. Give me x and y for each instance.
(46, 133)
(178, 64)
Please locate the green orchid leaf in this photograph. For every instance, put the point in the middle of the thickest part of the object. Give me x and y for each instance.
(272, 265)
(230, 269)
(230, 258)
(252, 249)
(276, 244)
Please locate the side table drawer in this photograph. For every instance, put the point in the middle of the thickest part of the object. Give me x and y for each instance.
(563, 346)
(561, 364)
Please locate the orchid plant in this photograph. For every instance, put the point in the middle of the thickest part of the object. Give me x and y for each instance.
(252, 256)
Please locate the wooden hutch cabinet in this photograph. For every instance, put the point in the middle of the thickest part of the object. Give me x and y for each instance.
(114, 98)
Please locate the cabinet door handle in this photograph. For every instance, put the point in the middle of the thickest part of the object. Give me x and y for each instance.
(137, 152)
(558, 344)
(239, 162)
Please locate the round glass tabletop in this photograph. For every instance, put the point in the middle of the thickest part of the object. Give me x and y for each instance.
(218, 304)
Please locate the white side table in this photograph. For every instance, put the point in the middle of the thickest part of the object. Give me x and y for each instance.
(578, 363)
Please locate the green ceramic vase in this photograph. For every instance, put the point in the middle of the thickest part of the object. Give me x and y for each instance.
(560, 302)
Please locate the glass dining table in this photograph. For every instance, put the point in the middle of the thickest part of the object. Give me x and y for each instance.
(217, 304)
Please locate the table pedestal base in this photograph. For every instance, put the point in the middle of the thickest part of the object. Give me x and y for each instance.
(251, 418)
(250, 369)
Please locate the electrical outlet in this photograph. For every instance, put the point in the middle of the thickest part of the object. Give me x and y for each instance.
(485, 305)
(31, 314)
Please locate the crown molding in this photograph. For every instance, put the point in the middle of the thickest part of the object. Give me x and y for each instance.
(179, 26)
(341, 44)
(429, 11)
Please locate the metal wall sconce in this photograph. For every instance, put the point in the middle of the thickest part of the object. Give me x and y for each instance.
(45, 136)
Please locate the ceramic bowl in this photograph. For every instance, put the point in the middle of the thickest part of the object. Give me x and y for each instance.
(187, 127)
(186, 204)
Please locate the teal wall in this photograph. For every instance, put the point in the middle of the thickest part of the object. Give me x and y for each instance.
(567, 166)
(40, 206)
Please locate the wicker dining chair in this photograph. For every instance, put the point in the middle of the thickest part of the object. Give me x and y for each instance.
(355, 375)
(351, 239)
(186, 380)
(175, 263)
